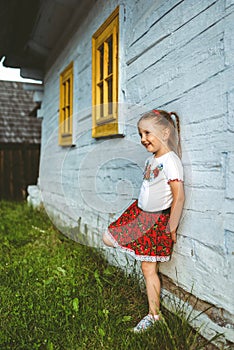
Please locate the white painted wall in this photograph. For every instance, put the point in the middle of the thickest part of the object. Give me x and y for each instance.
(175, 55)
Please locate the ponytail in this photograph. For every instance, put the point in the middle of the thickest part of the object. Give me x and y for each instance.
(177, 126)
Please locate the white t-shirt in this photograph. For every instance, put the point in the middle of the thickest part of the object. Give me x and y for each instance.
(155, 193)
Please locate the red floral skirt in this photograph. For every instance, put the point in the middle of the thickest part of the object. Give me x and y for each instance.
(142, 234)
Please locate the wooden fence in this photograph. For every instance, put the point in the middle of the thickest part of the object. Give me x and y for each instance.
(19, 166)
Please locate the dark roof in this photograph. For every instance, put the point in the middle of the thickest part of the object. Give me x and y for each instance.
(34, 31)
(18, 122)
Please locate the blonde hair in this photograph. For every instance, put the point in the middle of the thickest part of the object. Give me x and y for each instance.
(164, 119)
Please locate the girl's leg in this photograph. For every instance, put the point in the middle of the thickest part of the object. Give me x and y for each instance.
(153, 286)
(106, 241)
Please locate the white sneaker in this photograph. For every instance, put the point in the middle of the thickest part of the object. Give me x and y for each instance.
(145, 323)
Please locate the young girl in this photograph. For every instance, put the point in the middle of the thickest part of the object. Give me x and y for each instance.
(147, 228)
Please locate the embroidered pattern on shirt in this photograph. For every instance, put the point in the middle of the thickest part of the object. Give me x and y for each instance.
(150, 174)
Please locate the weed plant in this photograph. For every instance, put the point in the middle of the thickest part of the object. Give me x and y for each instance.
(58, 294)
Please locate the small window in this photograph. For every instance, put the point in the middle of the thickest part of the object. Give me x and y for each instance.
(105, 78)
(66, 106)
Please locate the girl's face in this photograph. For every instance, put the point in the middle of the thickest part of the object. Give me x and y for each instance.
(152, 138)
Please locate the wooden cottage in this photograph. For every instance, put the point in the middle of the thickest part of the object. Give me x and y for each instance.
(103, 63)
(20, 139)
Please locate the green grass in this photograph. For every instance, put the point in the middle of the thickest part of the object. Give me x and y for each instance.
(58, 294)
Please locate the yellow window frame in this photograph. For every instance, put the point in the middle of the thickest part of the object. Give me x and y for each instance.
(66, 106)
(105, 78)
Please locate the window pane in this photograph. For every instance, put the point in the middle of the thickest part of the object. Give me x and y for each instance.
(101, 99)
(68, 120)
(68, 92)
(110, 54)
(64, 94)
(68, 105)
(101, 58)
(110, 96)
(64, 120)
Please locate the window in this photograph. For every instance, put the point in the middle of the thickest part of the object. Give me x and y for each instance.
(105, 77)
(66, 106)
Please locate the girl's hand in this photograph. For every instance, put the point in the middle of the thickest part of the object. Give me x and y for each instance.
(172, 233)
(173, 236)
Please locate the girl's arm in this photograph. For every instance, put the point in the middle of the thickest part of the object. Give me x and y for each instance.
(177, 188)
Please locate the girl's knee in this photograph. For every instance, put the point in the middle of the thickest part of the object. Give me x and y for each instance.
(106, 240)
(148, 268)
